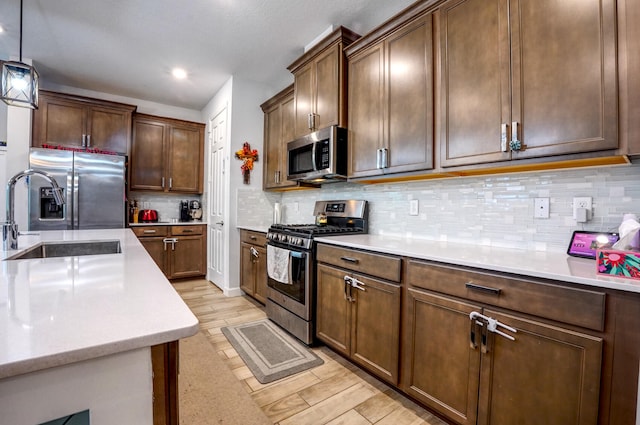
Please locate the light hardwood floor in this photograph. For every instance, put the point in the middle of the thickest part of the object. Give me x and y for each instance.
(336, 392)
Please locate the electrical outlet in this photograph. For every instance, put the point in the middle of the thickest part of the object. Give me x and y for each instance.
(541, 208)
(582, 202)
(413, 207)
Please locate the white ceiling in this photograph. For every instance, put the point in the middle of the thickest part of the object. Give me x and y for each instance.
(128, 47)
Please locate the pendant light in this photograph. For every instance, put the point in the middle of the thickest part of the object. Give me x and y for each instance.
(19, 84)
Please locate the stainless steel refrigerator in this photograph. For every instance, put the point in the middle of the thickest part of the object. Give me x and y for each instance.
(93, 185)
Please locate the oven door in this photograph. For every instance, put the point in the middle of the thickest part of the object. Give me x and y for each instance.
(295, 295)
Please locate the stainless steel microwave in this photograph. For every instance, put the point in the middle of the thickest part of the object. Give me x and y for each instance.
(319, 157)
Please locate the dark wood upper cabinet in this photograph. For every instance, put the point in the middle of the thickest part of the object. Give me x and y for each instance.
(319, 84)
(167, 155)
(629, 67)
(541, 73)
(81, 122)
(278, 131)
(391, 101)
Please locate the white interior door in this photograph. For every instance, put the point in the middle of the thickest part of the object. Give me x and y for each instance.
(216, 272)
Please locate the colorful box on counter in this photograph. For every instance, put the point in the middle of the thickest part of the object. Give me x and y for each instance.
(613, 262)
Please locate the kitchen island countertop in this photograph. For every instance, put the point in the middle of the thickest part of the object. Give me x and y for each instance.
(57, 311)
(541, 264)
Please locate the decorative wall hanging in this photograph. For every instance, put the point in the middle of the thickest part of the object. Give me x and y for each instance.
(248, 157)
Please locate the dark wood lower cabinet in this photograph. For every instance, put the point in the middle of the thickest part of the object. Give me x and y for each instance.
(440, 369)
(253, 264)
(362, 324)
(164, 361)
(179, 251)
(547, 375)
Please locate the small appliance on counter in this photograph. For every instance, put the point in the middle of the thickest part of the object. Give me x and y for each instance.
(185, 214)
(195, 210)
(148, 216)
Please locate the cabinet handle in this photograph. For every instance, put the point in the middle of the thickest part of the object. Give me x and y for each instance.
(170, 182)
(148, 231)
(350, 260)
(88, 140)
(309, 125)
(494, 291)
(276, 177)
(84, 140)
(347, 289)
(163, 182)
(165, 241)
(382, 158)
(504, 131)
(515, 144)
(253, 238)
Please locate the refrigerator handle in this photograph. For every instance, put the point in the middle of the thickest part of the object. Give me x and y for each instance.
(75, 202)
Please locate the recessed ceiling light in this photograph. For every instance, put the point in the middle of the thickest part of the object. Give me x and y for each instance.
(179, 73)
(1, 29)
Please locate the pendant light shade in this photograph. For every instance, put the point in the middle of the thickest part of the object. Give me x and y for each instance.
(19, 84)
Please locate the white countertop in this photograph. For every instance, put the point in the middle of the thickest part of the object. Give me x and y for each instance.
(57, 311)
(169, 223)
(546, 265)
(260, 229)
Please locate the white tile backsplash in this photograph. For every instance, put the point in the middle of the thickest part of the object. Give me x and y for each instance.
(488, 210)
(167, 205)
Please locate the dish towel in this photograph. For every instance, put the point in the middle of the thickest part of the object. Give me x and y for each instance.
(278, 264)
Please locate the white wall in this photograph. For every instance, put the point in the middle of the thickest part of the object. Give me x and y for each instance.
(242, 98)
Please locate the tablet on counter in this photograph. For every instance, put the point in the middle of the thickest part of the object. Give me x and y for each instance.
(585, 243)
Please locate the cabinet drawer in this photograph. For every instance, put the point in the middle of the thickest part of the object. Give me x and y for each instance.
(186, 230)
(569, 305)
(379, 265)
(147, 231)
(253, 238)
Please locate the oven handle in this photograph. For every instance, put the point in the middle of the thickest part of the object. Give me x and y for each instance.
(294, 254)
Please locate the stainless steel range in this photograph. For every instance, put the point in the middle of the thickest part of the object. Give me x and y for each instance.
(291, 263)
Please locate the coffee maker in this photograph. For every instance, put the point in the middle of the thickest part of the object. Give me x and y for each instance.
(185, 214)
(195, 210)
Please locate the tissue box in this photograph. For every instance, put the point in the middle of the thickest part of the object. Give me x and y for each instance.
(613, 262)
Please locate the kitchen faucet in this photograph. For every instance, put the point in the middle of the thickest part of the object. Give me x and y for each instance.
(10, 228)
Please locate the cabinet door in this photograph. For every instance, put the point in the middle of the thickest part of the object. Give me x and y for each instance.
(409, 94)
(548, 375)
(328, 88)
(304, 86)
(366, 111)
(564, 76)
(475, 81)
(184, 159)
(109, 129)
(260, 272)
(186, 257)
(375, 327)
(247, 269)
(147, 156)
(629, 40)
(440, 368)
(273, 147)
(59, 121)
(157, 250)
(333, 312)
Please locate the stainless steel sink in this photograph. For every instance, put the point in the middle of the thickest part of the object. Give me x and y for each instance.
(68, 249)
